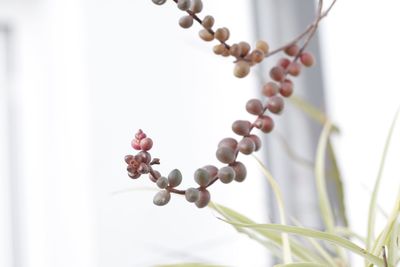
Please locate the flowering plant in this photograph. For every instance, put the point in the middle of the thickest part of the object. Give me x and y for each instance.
(382, 250)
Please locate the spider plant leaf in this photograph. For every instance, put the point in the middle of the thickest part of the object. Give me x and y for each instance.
(325, 236)
(374, 196)
(298, 250)
(301, 264)
(192, 264)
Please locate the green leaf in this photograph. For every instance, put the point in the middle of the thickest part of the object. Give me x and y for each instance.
(306, 232)
(346, 232)
(301, 264)
(325, 206)
(193, 264)
(384, 237)
(373, 202)
(324, 254)
(287, 254)
(313, 112)
(299, 251)
(336, 176)
(393, 246)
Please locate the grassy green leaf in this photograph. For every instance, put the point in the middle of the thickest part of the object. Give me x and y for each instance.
(298, 250)
(306, 232)
(323, 198)
(384, 237)
(346, 232)
(301, 264)
(393, 246)
(373, 202)
(324, 254)
(313, 112)
(325, 206)
(336, 176)
(287, 254)
(193, 264)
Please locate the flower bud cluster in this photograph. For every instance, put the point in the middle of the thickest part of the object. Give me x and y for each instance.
(279, 87)
(244, 56)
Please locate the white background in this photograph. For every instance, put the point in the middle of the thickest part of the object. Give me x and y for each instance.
(89, 73)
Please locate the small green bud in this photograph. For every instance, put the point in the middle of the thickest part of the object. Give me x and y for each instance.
(162, 198)
(192, 194)
(226, 174)
(174, 178)
(162, 182)
(202, 177)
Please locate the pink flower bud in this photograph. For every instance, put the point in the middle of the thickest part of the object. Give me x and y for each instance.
(140, 135)
(135, 144)
(146, 144)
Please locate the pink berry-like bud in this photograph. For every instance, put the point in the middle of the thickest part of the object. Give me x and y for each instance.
(192, 195)
(225, 154)
(183, 4)
(292, 50)
(204, 199)
(241, 127)
(240, 171)
(257, 55)
(247, 146)
(197, 6)
(208, 22)
(162, 182)
(146, 144)
(128, 159)
(270, 89)
(144, 157)
(235, 50)
(140, 135)
(284, 62)
(156, 176)
(265, 124)
(162, 198)
(263, 46)
(244, 48)
(286, 89)
(277, 73)
(206, 35)
(175, 178)
(294, 69)
(275, 104)
(222, 34)
(135, 144)
(134, 175)
(228, 142)
(242, 68)
(143, 168)
(307, 59)
(212, 170)
(186, 22)
(255, 107)
(202, 177)
(226, 174)
(257, 141)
